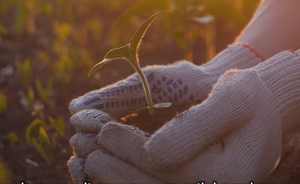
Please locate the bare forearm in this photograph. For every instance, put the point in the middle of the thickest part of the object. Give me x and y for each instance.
(274, 27)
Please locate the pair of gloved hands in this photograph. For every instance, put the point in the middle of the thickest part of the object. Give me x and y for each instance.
(233, 136)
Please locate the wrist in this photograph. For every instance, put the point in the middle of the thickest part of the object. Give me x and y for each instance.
(281, 76)
(237, 55)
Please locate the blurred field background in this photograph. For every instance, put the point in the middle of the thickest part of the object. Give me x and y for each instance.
(47, 48)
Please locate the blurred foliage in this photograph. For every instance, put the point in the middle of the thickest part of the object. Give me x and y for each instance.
(3, 103)
(41, 135)
(25, 72)
(71, 33)
(4, 172)
(27, 100)
(13, 138)
(45, 94)
(53, 40)
(181, 19)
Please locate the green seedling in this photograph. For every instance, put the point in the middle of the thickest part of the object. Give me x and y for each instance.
(45, 93)
(129, 52)
(39, 134)
(42, 146)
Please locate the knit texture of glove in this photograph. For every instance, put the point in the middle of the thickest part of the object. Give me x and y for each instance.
(240, 112)
(176, 83)
(248, 110)
(281, 75)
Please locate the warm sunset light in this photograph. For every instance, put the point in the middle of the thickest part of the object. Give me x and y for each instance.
(65, 120)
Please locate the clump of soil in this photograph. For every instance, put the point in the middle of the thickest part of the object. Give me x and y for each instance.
(150, 123)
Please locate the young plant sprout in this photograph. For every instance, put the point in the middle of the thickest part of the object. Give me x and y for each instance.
(129, 52)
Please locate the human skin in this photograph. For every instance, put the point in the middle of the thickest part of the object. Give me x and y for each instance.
(275, 27)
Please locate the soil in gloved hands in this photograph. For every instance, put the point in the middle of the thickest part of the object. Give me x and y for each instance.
(151, 123)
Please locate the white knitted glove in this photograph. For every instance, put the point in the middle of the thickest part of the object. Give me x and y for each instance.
(87, 147)
(177, 83)
(247, 111)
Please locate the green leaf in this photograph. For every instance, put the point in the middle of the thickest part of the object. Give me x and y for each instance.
(163, 105)
(13, 138)
(203, 20)
(33, 128)
(59, 125)
(98, 66)
(45, 93)
(3, 103)
(62, 31)
(139, 34)
(44, 139)
(40, 90)
(140, 8)
(41, 151)
(226, 10)
(26, 73)
(118, 53)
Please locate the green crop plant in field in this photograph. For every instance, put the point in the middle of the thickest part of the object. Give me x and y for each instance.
(39, 133)
(185, 21)
(45, 93)
(129, 52)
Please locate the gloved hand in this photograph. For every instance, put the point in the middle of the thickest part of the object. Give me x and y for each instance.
(87, 145)
(178, 83)
(248, 112)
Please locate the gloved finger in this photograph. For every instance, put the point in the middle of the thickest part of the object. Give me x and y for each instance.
(84, 143)
(90, 120)
(103, 167)
(175, 83)
(76, 167)
(127, 143)
(237, 97)
(245, 154)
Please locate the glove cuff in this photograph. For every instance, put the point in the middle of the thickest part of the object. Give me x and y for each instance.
(281, 76)
(237, 55)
